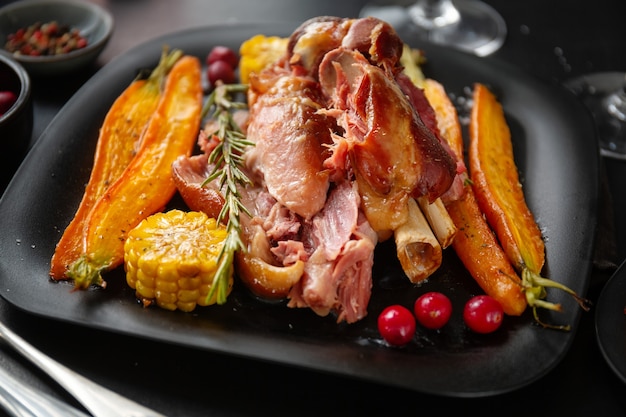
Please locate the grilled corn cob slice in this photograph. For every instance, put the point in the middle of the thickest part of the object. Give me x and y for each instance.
(171, 258)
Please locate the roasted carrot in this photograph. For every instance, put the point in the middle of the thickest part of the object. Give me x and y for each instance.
(475, 243)
(146, 185)
(496, 181)
(480, 252)
(117, 144)
(501, 198)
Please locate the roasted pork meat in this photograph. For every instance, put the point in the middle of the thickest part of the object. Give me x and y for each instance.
(340, 155)
(394, 156)
(291, 138)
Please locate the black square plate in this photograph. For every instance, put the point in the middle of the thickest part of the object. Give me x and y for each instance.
(556, 153)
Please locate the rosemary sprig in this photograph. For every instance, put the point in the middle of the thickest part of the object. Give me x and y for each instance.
(228, 160)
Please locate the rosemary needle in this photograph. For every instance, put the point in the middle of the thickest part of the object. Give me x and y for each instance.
(227, 160)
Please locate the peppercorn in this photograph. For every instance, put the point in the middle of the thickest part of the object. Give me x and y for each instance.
(41, 39)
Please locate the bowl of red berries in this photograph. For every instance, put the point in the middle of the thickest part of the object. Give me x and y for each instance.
(50, 37)
(16, 116)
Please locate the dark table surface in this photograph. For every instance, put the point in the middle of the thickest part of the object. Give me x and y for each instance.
(552, 40)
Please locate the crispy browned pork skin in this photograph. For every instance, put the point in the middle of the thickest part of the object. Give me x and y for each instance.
(394, 156)
(339, 150)
(374, 38)
(426, 113)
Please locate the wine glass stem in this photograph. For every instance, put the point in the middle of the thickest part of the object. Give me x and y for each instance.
(431, 14)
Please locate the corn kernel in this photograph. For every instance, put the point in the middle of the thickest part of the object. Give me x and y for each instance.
(144, 291)
(189, 283)
(166, 286)
(165, 297)
(187, 296)
(171, 258)
(186, 307)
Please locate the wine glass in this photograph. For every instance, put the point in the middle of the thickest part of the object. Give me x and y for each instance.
(604, 94)
(469, 25)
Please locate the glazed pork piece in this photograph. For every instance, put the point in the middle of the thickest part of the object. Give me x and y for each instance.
(374, 38)
(189, 174)
(394, 156)
(340, 156)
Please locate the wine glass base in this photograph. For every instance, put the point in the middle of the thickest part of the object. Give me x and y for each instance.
(481, 30)
(595, 91)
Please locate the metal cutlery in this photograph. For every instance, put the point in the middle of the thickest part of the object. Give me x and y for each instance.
(21, 400)
(98, 400)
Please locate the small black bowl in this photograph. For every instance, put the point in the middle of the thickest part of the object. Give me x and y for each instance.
(93, 22)
(16, 124)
